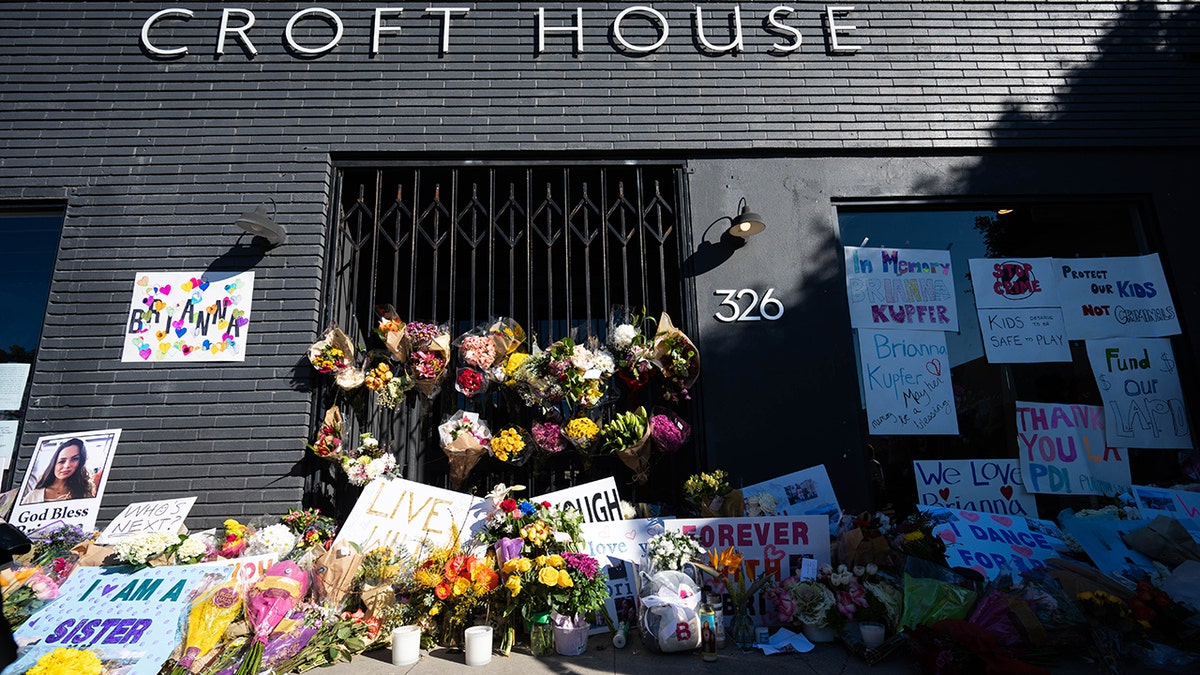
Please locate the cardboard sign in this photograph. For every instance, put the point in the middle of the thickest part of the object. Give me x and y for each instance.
(188, 317)
(985, 485)
(1143, 400)
(906, 382)
(166, 515)
(65, 480)
(900, 289)
(397, 511)
(1011, 283)
(1115, 297)
(772, 545)
(598, 501)
(807, 492)
(989, 542)
(621, 539)
(1025, 335)
(130, 620)
(1063, 451)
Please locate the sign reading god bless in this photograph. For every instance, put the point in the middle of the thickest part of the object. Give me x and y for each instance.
(65, 480)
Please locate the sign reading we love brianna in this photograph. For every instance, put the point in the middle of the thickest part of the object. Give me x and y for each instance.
(188, 317)
(988, 485)
(989, 542)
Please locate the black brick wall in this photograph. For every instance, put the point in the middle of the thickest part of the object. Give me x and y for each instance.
(155, 158)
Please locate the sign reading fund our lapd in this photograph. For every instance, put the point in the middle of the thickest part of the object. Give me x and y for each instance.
(1143, 398)
(900, 288)
(1115, 297)
(906, 382)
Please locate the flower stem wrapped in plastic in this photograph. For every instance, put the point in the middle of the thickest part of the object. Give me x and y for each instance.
(677, 358)
(210, 615)
(512, 445)
(464, 438)
(669, 431)
(267, 603)
(429, 356)
(628, 436)
(583, 434)
(334, 354)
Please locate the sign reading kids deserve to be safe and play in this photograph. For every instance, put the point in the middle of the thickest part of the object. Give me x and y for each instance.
(1143, 399)
(987, 485)
(906, 382)
(1018, 310)
(899, 288)
(188, 317)
(1115, 297)
(131, 620)
(1063, 450)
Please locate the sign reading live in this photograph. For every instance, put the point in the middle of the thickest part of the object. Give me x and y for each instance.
(188, 317)
(131, 620)
(986, 485)
(900, 289)
(990, 542)
(394, 512)
(1115, 297)
(906, 382)
(1143, 399)
(1063, 450)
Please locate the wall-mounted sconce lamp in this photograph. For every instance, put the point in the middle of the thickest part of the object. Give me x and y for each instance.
(258, 223)
(747, 223)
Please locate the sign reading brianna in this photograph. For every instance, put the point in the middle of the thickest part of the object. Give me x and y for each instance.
(900, 289)
(188, 317)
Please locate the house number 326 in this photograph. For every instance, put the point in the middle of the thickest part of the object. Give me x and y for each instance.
(745, 305)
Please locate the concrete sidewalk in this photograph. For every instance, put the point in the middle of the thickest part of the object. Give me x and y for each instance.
(602, 658)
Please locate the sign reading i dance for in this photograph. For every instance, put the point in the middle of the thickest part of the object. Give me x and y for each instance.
(989, 542)
(1143, 400)
(900, 288)
(1063, 450)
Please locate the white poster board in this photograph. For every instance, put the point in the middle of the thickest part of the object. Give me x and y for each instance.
(906, 382)
(65, 480)
(1181, 505)
(165, 516)
(1143, 399)
(990, 542)
(902, 288)
(188, 317)
(402, 512)
(1024, 335)
(1115, 297)
(13, 377)
(1063, 450)
(1012, 283)
(598, 501)
(807, 492)
(621, 539)
(8, 442)
(985, 485)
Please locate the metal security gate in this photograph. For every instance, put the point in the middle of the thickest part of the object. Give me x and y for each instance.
(554, 247)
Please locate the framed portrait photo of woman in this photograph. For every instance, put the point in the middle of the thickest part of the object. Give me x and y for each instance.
(65, 479)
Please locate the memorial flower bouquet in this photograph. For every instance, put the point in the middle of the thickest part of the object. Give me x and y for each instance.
(62, 660)
(332, 353)
(446, 588)
(148, 548)
(311, 529)
(802, 602)
(707, 489)
(470, 382)
(464, 438)
(429, 355)
(632, 349)
(25, 591)
(54, 541)
(669, 431)
(393, 332)
(548, 436)
(727, 568)
(677, 359)
(914, 536)
(328, 444)
(582, 433)
(568, 583)
(512, 445)
(628, 436)
(368, 462)
(522, 527)
(477, 351)
(276, 540)
(672, 551)
(861, 594)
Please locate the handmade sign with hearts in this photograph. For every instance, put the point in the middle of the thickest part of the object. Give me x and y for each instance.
(993, 543)
(984, 485)
(188, 317)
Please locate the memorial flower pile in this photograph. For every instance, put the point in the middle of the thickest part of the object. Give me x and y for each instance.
(311, 528)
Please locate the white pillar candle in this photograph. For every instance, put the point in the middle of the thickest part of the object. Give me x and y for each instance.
(406, 645)
(479, 645)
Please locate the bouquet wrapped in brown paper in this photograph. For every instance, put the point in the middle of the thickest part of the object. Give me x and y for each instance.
(393, 331)
(465, 438)
(429, 356)
(333, 575)
(508, 334)
(628, 436)
(677, 358)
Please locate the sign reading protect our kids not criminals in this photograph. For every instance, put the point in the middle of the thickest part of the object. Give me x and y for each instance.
(1063, 450)
(1115, 297)
(900, 288)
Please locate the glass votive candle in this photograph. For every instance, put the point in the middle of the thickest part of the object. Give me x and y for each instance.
(478, 645)
(872, 634)
(406, 645)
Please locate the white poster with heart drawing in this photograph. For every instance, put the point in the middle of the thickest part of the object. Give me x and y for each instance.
(906, 382)
(188, 317)
(989, 485)
(989, 543)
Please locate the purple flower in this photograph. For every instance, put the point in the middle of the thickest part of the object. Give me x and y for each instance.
(548, 436)
(582, 563)
(669, 432)
(507, 549)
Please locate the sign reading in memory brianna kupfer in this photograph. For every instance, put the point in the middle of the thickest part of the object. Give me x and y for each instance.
(131, 620)
(1143, 399)
(188, 317)
(906, 382)
(1063, 450)
(1008, 283)
(166, 516)
(986, 485)
(598, 501)
(1115, 297)
(806, 492)
(395, 511)
(65, 480)
(900, 289)
(989, 542)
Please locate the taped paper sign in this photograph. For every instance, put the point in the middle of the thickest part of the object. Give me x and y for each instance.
(900, 288)
(1001, 283)
(988, 542)
(1115, 297)
(1063, 451)
(65, 480)
(1143, 400)
(985, 485)
(188, 317)
(164, 516)
(906, 382)
(1025, 335)
(807, 492)
(1178, 504)
(397, 511)
(131, 620)
(598, 501)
